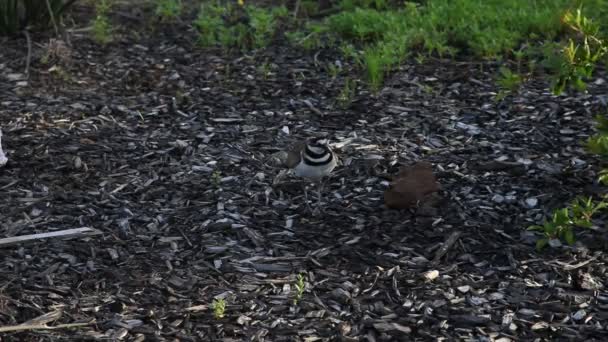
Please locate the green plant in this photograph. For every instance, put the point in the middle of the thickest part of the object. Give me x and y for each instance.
(508, 81)
(216, 178)
(102, 29)
(15, 15)
(487, 29)
(309, 8)
(377, 61)
(349, 5)
(598, 144)
(264, 23)
(563, 221)
(334, 70)
(168, 9)
(210, 23)
(345, 98)
(300, 286)
(219, 308)
(264, 69)
(579, 57)
(243, 27)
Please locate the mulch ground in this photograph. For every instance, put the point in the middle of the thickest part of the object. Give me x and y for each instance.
(163, 146)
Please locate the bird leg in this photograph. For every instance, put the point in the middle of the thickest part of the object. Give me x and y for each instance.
(306, 196)
(319, 188)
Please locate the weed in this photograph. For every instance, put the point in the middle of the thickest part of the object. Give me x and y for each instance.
(60, 73)
(264, 23)
(168, 9)
(347, 94)
(210, 23)
(508, 81)
(219, 308)
(242, 27)
(309, 39)
(334, 70)
(420, 58)
(349, 5)
(102, 29)
(300, 287)
(563, 221)
(216, 178)
(485, 29)
(377, 62)
(264, 69)
(578, 59)
(309, 7)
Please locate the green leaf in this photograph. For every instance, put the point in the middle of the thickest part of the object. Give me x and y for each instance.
(569, 236)
(561, 217)
(581, 222)
(536, 227)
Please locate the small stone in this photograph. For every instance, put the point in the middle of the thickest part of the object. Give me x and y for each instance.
(14, 76)
(555, 243)
(526, 312)
(496, 296)
(510, 199)
(242, 320)
(431, 275)
(498, 198)
(540, 326)
(531, 202)
(567, 131)
(464, 288)
(580, 314)
(477, 300)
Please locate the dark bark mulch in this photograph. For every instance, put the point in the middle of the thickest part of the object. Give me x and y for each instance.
(163, 146)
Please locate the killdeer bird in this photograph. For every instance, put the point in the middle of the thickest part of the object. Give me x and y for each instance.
(312, 160)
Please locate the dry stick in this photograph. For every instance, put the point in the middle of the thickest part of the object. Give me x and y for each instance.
(446, 246)
(28, 59)
(22, 327)
(313, 108)
(50, 9)
(67, 233)
(295, 10)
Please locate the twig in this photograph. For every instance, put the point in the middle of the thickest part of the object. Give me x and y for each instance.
(447, 244)
(22, 327)
(28, 59)
(50, 9)
(67, 233)
(313, 108)
(295, 10)
(570, 267)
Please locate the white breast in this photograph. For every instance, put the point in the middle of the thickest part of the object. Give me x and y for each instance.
(314, 171)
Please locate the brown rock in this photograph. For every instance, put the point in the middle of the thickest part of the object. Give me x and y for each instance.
(412, 184)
